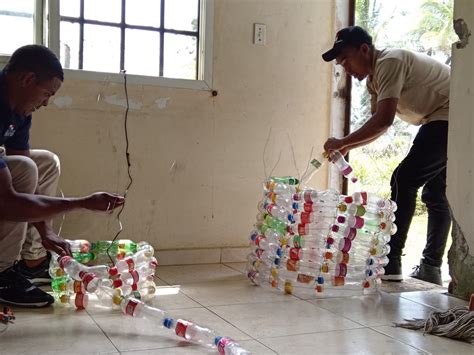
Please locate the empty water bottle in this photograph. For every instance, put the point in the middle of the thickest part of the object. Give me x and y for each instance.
(227, 346)
(194, 332)
(344, 167)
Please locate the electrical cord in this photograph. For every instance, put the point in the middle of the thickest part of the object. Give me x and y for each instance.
(127, 155)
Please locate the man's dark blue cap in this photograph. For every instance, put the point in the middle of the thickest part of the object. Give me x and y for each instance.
(353, 36)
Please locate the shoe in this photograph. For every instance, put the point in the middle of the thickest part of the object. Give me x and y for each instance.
(39, 275)
(393, 270)
(428, 273)
(17, 290)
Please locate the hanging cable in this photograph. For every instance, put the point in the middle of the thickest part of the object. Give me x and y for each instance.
(127, 155)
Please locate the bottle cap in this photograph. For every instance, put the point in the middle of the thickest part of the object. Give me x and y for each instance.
(113, 271)
(118, 283)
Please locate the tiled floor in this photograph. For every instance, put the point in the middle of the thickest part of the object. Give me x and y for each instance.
(263, 321)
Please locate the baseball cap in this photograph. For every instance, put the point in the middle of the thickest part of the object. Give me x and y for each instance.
(352, 36)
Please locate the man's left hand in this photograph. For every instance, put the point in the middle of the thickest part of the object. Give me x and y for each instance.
(55, 243)
(334, 144)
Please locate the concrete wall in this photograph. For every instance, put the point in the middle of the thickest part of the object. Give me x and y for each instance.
(197, 160)
(460, 157)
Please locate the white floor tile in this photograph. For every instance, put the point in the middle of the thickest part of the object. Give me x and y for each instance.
(56, 335)
(355, 341)
(272, 319)
(375, 310)
(429, 343)
(232, 292)
(237, 266)
(183, 274)
(436, 299)
(186, 348)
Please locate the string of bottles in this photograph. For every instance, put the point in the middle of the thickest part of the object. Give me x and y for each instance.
(127, 285)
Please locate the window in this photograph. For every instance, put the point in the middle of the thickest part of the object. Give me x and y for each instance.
(16, 15)
(147, 37)
(163, 42)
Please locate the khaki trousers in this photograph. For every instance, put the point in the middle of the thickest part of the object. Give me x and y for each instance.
(36, 175)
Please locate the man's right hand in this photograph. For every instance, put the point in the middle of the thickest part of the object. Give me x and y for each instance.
(103, 201)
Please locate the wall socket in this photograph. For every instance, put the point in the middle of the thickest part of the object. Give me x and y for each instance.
(259, 34)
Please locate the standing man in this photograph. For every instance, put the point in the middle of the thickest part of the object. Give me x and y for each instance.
(415, 87)
(29, 180)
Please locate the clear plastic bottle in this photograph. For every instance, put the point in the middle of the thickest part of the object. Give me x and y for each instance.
(101, 271)
(134, 276)
(65, 284)
(136, 308)
(315, 217)
(327, 208)
(336, 158)
(344, 167)
(263, 243)
(288, 180)
(79, 245)
(279, 200)
(131, 262)
(317, 229)
(194, 333)
(260, 276)
(227, 346)
(314, 166)
(145, 292)
(278, 212)
(72, 267)
(108, 296)
(329, 196)
(102, 246)
(367, 198)
(279, 188)
(83, 258)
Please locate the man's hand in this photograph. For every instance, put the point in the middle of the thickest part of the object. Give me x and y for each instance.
(54, 243)
(103, 201)
(336, 144)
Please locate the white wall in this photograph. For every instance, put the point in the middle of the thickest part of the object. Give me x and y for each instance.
(209, 199)
(461, 129)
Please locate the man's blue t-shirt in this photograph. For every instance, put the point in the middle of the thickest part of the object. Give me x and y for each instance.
(14, 129)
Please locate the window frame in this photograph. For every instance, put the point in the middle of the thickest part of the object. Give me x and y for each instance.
(47, 32)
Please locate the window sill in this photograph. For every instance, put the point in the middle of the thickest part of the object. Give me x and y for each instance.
(71, 74)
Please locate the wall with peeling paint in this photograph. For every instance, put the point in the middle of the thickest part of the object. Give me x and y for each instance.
(197, 160)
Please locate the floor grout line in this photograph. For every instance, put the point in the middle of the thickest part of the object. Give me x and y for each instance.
(398, 339)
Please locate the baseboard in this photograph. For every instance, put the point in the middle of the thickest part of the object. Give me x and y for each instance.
(201, 256)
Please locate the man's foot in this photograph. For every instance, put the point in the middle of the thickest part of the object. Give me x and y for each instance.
(428, 273)
(15, 289)
(38, 275)
(393, 270)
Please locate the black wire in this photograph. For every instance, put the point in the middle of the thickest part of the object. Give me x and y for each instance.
(127, 155)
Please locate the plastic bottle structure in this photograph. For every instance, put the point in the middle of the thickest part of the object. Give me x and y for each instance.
(125, 285)
(319, 243)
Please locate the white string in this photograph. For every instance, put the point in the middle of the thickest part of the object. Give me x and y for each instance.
(293, 156)
(264, 151)
(63, 216)
(307, 165)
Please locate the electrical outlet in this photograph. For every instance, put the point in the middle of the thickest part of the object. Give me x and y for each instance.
(259, 34)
